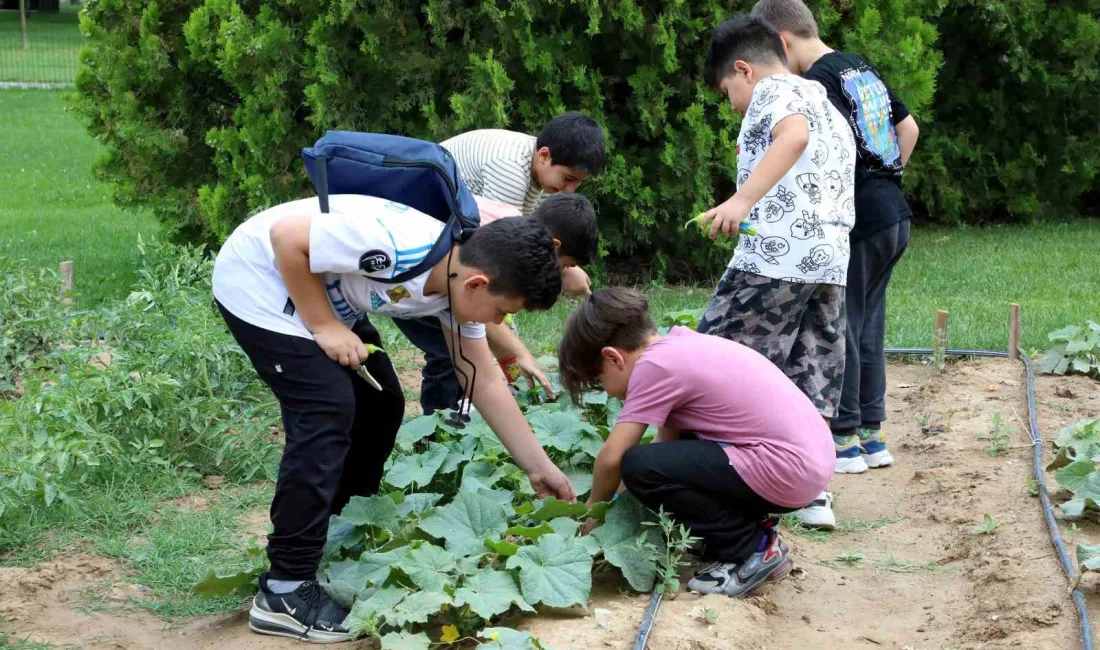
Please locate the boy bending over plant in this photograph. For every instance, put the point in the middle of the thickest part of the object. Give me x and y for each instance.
(737, 440)
(294, 287)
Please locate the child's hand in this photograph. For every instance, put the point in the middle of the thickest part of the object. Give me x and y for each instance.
(341, 344)
(575, 282)
(551, 482)
(727, 217)
(532, 372)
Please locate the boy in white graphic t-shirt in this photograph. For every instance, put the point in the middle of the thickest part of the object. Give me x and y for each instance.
(783, 293)
(295, 287)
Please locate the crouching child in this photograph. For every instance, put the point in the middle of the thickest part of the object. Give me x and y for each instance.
(737, 441)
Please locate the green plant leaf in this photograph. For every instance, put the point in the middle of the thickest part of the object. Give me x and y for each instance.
(341, 534)
(1088, 557)
(377, 510)
(637, 562)
(561, 430)
(365, 616)
(405, 641)
(417, 608)
(429, 567)
(565, 526)
(552, 508)
(240, 583)
(376, 566)
(530, 532)
(580, 479)
(555, 570)
(417, 504)
(502, 548)
(1073, 476)
(489, 592)
(467, 522)
(590, 443)
(484, 475)
(458, 452)
(416, 430)
(417, 469)
(504, 638)
(345, 581)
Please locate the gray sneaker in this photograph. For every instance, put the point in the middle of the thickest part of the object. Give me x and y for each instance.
(739, 579)
(306, 614)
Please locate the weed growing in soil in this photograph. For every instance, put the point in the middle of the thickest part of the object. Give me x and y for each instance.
(998, 437)
(706, 616)
(851, 558)
(893, 564)
(988, 526)
(677, 542)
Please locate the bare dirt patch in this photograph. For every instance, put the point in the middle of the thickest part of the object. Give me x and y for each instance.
(925, 580)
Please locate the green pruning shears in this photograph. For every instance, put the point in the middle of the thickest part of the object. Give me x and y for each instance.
(365, 374)
(742, 227)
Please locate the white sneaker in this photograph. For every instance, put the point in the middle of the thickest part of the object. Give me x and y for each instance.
(849, 456)
(819, 514)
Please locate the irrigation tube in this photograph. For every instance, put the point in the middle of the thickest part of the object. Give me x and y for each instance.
(1040, 478)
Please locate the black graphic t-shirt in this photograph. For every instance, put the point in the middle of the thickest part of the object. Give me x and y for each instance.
(872, 109)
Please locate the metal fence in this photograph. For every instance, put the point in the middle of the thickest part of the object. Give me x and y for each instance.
(44, 50)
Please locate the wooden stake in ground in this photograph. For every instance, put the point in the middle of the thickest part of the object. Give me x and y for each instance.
(1014, 331)
(23, 21)
(941, 339)
(66, 271)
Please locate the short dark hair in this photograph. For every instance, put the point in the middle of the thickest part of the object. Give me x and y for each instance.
(613, 317)
(571, 219)
(742, 37)
(575, 141)
(788, 15)
(519, 259)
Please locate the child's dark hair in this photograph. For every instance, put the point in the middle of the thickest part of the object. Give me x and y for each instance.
(788, 15)
(519, 258)
(613, 317)
(742, 37)
(575, 141)
(571, 219)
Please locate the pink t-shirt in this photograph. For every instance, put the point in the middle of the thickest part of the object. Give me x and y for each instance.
(491, 210)
(723, 391)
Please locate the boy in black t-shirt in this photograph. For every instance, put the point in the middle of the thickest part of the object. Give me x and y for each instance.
(885, 135)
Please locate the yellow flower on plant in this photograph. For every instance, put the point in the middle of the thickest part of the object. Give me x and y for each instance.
(450, 634)
(494, 636)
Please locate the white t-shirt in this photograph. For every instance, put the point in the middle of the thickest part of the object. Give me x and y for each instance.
(803, 223)
(496, 164)
(361, 238)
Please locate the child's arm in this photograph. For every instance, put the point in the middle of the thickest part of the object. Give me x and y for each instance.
(575, 282)
(790, 138)
(499, 408)
(908, 132)
(664, 434)
(607, 473)
(290, 241)
(504, 343)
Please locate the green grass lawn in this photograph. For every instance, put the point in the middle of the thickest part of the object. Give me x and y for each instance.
(53, 208)
(53, 46)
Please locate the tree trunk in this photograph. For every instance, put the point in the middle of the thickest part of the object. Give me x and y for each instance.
(23, 21)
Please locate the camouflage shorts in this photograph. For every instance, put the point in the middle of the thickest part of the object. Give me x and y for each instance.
(798, 327)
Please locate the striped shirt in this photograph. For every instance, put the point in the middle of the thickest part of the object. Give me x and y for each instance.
(496, 164)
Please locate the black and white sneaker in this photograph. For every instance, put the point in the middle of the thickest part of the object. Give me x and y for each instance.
(306, 614)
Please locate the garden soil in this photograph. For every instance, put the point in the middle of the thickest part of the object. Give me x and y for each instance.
(925, 581)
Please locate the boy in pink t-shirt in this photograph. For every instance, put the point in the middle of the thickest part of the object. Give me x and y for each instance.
(737, 440)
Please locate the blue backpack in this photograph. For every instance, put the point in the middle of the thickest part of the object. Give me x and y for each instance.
(416, 173)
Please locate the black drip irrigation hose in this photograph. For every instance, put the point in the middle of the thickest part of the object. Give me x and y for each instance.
(1040, 478)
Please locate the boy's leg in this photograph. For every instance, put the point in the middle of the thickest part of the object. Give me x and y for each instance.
(695, 484)
(378, 417)
(816, 363)
(872, 396)
(318, 406)
(758, 312)
(439, 387)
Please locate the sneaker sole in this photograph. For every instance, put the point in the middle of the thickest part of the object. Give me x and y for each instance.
(879, 459)
(856, 465)
(274, 624)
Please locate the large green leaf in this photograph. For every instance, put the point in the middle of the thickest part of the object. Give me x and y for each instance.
(417, 608)
(417, 469)
(627, 543)
(467, 522)
(240, 583)
(417, 504)
(489, 592)
(637, 561)
(368, 613)
(345, 581)
(552, 508)
(405, 641)
(580, 479)
(561, 431)
(1074, 475)
(378, 510)
(429, 567)
(376, 566)
(458, 452)
(1088, 557)
(555, 571)
(504, 638)
(484, 475)
(565, 526)
(416, 430)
